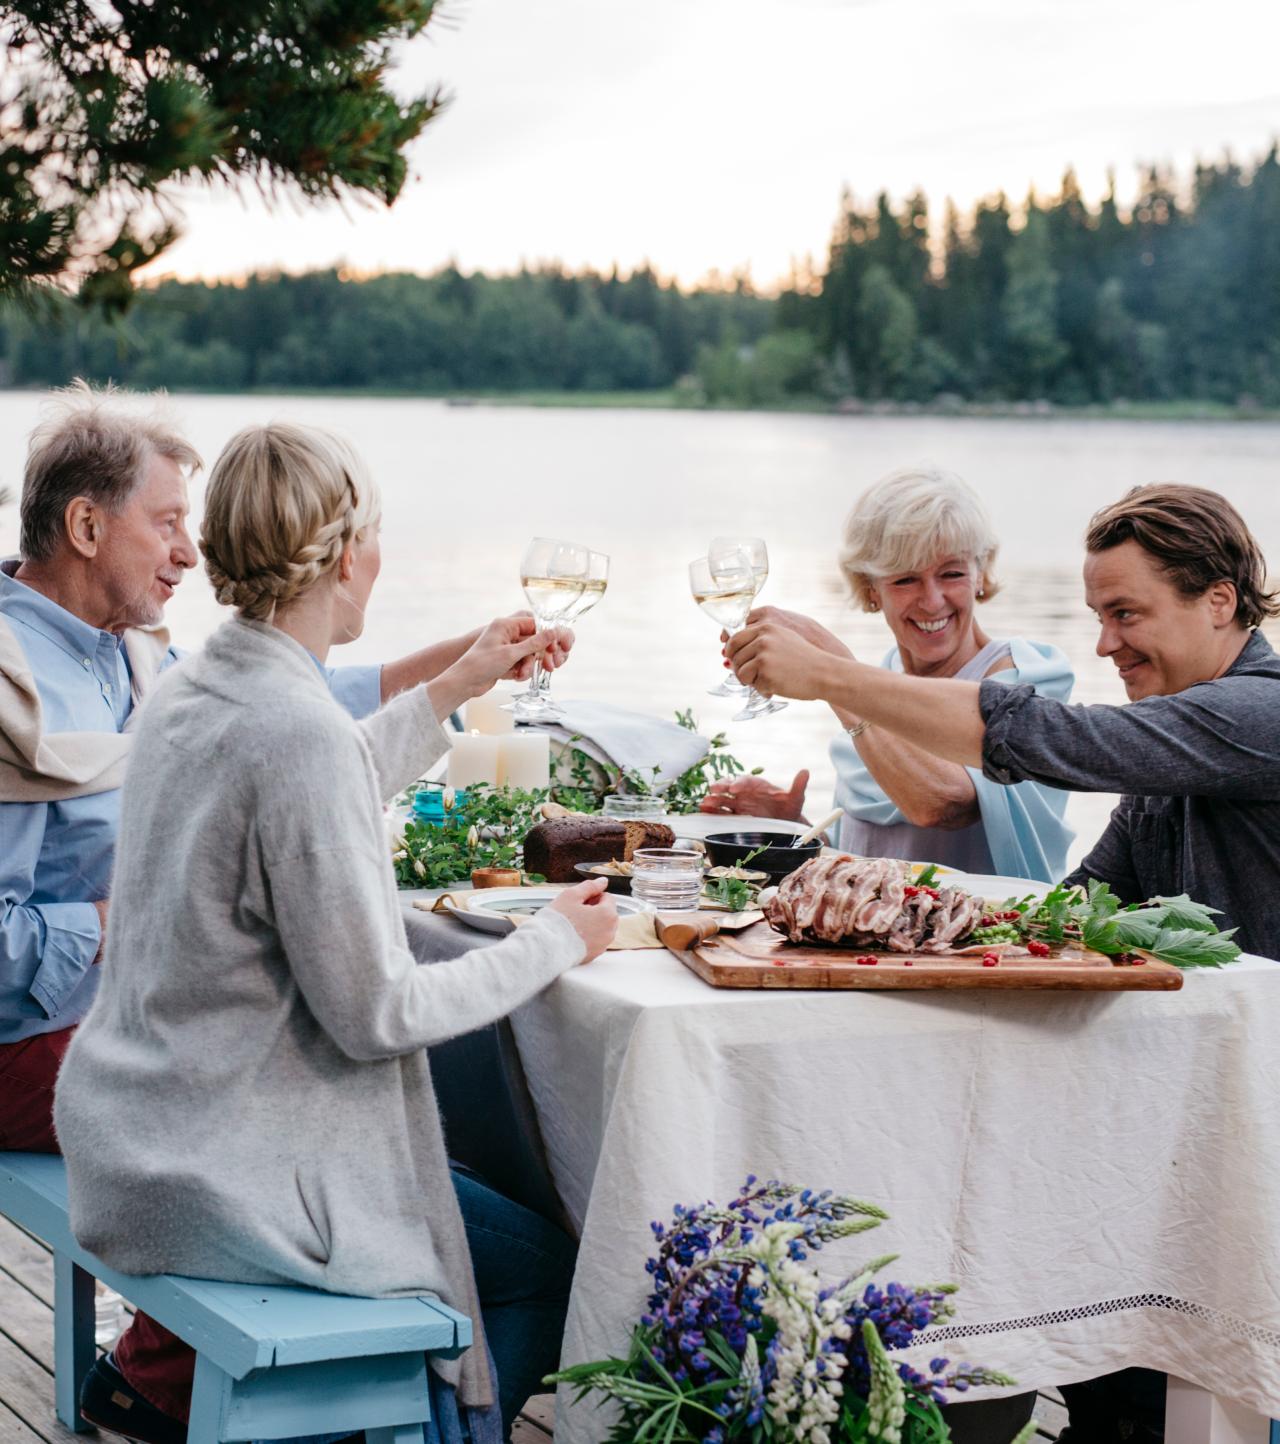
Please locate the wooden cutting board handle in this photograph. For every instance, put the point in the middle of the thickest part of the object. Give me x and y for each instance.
(680, 934)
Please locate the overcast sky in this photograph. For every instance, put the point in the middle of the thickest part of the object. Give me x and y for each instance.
(716, 134)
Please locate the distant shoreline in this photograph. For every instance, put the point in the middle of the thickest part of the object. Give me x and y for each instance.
(672, 399)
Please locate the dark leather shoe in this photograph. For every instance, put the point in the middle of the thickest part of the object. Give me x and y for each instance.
(111, 1402)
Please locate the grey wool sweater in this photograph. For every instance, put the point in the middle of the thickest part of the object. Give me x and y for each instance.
(248, 1099)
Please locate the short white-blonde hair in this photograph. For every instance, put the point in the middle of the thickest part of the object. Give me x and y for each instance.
(282, 504)
(909, 520)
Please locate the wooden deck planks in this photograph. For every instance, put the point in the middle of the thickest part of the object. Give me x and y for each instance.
(13, 1430)
(537, 1420)
(26, 1261)
(26, 1390)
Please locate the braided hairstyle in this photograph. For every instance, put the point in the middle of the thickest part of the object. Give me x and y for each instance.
(283, 502)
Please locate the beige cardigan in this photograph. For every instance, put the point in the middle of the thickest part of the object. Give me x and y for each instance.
(40, 766)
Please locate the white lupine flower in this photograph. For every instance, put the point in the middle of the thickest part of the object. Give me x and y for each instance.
(887, 1401)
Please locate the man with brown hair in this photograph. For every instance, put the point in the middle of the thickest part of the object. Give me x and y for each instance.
(1178, 585)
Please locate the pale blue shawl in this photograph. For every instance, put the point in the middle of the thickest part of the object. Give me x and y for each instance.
(1023, 824)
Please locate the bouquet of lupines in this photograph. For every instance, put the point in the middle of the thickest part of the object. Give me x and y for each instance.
(740, 1341)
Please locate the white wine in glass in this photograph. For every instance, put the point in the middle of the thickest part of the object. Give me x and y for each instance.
(593, 589)
(554, 576)
(729, 551)
(758, 555)
(755, 548)
(725, 590)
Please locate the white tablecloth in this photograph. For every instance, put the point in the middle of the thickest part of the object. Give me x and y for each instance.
(1100, 1173)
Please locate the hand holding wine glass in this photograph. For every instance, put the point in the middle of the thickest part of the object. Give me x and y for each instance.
(556, 576)
(757, 554)
(725, 588)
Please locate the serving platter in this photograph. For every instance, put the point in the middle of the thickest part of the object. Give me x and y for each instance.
(759, 957)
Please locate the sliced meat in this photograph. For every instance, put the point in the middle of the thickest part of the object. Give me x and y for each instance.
(863, 903)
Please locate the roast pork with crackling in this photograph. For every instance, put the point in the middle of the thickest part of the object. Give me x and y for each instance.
(867, 903)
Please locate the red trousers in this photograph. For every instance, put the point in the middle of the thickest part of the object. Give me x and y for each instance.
(154, 1361)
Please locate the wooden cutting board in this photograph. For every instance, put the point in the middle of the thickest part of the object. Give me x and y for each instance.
(758, 957)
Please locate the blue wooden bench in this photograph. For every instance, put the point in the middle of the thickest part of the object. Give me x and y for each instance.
(271, 1363)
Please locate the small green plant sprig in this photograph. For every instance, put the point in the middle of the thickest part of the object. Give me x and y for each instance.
(487, 831)
(1172, 929)
(576, 781)
(736, 893)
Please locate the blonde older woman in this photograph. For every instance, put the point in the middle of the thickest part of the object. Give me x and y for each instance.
(249, 1098)
(919, 548)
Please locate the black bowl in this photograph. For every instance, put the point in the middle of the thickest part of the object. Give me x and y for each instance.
(614, 882)
(729, 849)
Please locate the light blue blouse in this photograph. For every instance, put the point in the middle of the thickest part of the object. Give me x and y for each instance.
(55, 857)
(1022, 832)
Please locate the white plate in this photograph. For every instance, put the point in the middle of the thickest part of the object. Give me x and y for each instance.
(494, 909)
(996, 888)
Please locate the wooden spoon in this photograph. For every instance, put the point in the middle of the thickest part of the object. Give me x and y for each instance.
(817, 828)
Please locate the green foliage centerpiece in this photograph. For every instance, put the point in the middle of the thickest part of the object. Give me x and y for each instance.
(483, 827)
(741, 1343)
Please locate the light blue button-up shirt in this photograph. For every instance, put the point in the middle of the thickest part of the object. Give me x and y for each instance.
(55, 857)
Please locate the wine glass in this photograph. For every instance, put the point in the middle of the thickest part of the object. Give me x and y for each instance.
(554, 575)
(728, 685)
(755, 549)
(592, 591)
(725, 590)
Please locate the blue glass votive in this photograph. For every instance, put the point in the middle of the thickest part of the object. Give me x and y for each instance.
(428, 804)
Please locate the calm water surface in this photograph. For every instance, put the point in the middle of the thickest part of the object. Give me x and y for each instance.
(464, 489)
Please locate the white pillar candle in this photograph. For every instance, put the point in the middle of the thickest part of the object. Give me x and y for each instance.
(485, 715)
(526, 760)
(475, 758)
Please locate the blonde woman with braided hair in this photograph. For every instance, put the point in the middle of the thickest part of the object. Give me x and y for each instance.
(249, 1097)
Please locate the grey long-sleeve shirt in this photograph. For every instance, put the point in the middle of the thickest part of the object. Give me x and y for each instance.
(1200, 774)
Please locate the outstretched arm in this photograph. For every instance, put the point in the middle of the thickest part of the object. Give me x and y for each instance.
(940, 715)
(1215, 739)
(431, 662)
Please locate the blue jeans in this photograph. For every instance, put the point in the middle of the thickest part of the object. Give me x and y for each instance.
(523, 1268)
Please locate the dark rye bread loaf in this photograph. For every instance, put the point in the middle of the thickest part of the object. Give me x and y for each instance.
(553, 848)
(646, 834)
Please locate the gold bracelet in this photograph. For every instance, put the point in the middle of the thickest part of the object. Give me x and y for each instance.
(857, 729)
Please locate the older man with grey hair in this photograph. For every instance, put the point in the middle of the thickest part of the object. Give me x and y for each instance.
(104, 543)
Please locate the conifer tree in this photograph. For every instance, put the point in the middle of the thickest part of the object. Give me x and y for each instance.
(1029, 306)
(102, 106)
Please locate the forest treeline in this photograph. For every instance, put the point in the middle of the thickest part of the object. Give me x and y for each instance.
(1174, 297)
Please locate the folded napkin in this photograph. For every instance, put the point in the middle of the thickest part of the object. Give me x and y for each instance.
(630, 740)
(635, 930)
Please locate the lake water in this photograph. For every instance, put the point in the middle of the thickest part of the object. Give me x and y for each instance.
(465, 487)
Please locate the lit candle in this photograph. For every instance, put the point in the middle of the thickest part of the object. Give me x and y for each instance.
(474, 758)
(526, 760)
(485, 715)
